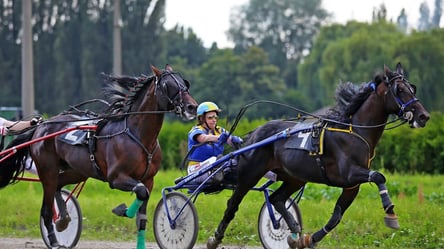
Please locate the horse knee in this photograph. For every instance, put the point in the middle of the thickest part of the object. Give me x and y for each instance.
(141, 191)
(376, 177)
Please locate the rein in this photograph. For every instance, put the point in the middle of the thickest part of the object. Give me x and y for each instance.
(245, 107)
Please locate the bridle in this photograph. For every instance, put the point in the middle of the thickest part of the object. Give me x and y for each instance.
(393, 88)
(177, 102)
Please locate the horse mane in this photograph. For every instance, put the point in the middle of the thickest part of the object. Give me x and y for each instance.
(123, 91)
(349, 98)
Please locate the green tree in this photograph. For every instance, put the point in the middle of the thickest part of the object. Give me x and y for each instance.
(402, 21)
(185, 44)
(420, 53)
(233, 81)
(424, 18)
(284, 29)
(141, 34)
(10, 60)
(437, 14)
(380, 14)
(353, 52)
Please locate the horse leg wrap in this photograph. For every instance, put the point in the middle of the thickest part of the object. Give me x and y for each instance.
(386, 201)
(141, 239)
(141, 221)
(379, 179)
(331, 224)
(132, 210)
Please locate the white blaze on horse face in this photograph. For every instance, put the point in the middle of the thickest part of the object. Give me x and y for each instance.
(304, 137)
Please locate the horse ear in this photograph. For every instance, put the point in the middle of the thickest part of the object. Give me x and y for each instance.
(399, 69)
(387, 69)
(156, 71)
(168, 67)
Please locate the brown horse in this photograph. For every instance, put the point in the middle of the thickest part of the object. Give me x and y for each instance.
(348, 136)
(123, 150)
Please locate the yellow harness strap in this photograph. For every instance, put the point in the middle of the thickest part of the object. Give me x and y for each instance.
(371, 154)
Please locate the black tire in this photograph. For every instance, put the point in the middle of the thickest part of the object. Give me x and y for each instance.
(276, 238)
(184, 234)
(71, 235)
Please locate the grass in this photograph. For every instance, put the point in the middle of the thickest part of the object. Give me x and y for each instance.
(419, 201)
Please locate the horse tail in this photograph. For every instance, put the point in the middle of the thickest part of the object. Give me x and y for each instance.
(14, 166)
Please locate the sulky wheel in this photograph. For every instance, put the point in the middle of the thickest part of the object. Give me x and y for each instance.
(179, 234)
(270, 237)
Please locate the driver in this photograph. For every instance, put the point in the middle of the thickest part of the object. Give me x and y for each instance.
(17, 126)
(206, 140)
(7, 125)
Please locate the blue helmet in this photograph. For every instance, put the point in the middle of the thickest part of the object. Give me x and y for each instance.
(205, 107)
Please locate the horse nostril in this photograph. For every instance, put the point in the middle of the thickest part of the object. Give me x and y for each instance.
(191, 108)
(424, 117)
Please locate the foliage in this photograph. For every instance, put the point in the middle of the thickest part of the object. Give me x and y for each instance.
(73, 45)
(413, 150)
(349, 53)
(419, 62)
(233, 81)
(284, 28)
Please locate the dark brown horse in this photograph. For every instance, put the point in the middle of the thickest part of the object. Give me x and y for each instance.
(348, 137)
(123, 150)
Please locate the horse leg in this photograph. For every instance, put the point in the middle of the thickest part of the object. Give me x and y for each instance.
(379, 179)
(142, 194)
(239, 193)
(46, 212)
(344, 201)
(141, 225)
(63, 220)
(278, 199)
(65, 178)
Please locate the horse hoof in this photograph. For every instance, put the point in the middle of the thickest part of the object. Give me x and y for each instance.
(391, 221)
(120, 210)
(62, 224)
(212, 243)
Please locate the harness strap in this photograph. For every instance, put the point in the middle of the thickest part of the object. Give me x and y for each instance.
(148, 154)
(371, 154)
(92, 149)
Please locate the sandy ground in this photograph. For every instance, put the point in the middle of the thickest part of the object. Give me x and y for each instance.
(21, 243)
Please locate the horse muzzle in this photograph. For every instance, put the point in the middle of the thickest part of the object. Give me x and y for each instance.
(417, 119)
(188, 113)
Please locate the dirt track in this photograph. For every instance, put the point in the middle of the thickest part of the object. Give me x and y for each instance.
(21, 243)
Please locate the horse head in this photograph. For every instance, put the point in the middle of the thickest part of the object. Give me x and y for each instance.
(402, 97)
(173, 93)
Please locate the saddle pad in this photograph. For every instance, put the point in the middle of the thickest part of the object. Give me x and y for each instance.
(307, 137)
(75, 137)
